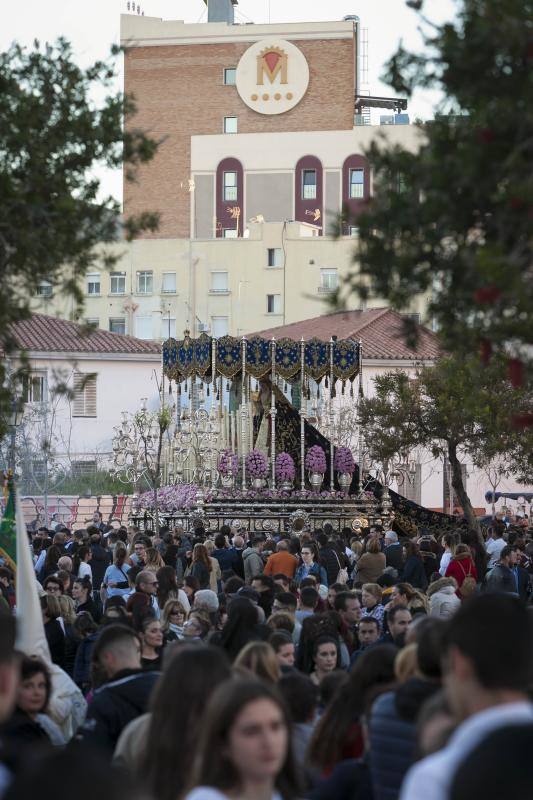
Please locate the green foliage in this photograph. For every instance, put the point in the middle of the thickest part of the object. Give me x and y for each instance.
(458, 226)
(52, 138)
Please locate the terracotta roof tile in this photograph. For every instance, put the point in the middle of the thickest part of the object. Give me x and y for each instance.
(380, 330)
(44, 333)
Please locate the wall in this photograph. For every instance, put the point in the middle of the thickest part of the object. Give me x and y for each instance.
(175, 73)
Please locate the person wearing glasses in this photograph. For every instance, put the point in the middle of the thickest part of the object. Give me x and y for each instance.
(144, 598)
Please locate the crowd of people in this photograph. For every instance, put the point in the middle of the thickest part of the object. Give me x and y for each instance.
(200, 665)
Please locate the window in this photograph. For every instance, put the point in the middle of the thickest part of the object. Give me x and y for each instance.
(219, 282)
(118, 283)
(230, 124)
(353, 230)
(143, 327)
(230, 233)
(169, 283)
(328, 280)
(84, 404)
(34, 388)
(94, 321)
(117, 325)
(93, 283)
(168, 328)
(44, 289)
(275, 257)
(145, 280)
(230, 186)
(219, 327)
(415, 317)
(357, 183)
(273, 304)
(230, 76)
(309, 184)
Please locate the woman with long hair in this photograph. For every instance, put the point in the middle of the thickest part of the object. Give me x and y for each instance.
(190, 586)
(167, 586)
(53, 554)
(173, 619)
(81, 567)
(55, 635)
(309, 565)
(158, 746)
(201, 566)
(24, 729)
(154, 560)
(413, 569)
(338, 734)
(245, 747)
(116, 575)
(371, 564)
(240, 628)
(463, 569)
(326, 657)
(152, 643)
(260, 658)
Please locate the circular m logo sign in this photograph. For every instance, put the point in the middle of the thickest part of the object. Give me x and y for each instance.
(272, 76)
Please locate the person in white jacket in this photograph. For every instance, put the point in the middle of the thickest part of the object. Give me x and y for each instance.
(443, 602)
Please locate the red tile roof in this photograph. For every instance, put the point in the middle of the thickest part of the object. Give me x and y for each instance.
(380, 330)
(43, 333)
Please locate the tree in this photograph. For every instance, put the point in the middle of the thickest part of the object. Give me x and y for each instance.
(52, 138)
(457, 407)
(453, 220)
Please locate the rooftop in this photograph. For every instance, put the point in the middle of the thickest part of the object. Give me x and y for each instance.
(49, 334)
(381, 331)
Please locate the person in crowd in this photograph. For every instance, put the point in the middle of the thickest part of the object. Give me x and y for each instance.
(333, 588)
(434, 725)
(501, 766)
(87, 631)
(301, 697)
(371, 601)
(392, 724)
(307, 603)
(264, 586)
(339, 733)
(326, 657)
(413, 571)
(252, 559)
(393, 551)
(442, 596)
(138, 556)
(100, 559)
(398, 620)
(508, 576)
(198, 626)
(368, 633)
(282, 561)
(241, 627)
(156, 748)
(309, 565)
(167, 587)
(154, 560)
(173, 619)
(403, 594)
(463, 569)
(190, 587)
(152, 642)
(495, 543)
(449, 542)
(226, 556)
(53, 585)
(98, 522)
(329, 558)
(260, 659)
(67, 619)
(348, 607)
(82, 596)
(55, 636)
(428, 550)
(115, 580)
(124, 691)
(245, 749)
(371, 564)
(237, 550)
(487, 686)
(53, 554)
(201, 566)
(144, 598)
(24, 734)
(283, 646)
(81, 565)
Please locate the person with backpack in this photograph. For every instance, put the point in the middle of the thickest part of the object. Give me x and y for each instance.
(463, 569)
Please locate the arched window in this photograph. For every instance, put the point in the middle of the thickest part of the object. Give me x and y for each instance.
(230, 196)
(355, 188)
(308, 191)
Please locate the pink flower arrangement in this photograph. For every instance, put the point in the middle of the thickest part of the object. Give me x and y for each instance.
(228, 463)
(285, 470)
(171, 498)
(256, 464)
(344, 460)
(315, 460)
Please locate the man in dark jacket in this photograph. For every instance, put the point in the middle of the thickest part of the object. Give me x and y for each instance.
(329, 558)
(508, 576)
(101, 559)
(392, 728)
(125, 694)
(393, 551)
(227, 558)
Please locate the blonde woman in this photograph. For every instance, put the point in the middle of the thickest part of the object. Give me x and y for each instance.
(260, 658)
(173, 619)
(154, 560)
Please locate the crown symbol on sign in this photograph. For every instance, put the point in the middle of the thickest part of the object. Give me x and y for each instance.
(277, 50)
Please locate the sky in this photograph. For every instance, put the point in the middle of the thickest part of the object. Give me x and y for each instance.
(92, 26)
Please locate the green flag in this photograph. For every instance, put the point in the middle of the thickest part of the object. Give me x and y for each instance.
(8, 528)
